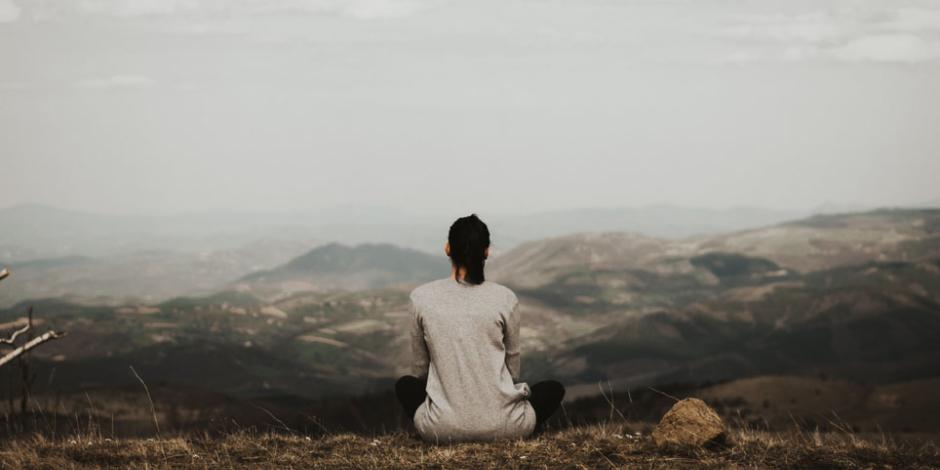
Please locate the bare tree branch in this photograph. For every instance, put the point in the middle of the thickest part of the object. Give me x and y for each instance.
(47, 336)
(16, 333)
(28, 326)
(33, 342)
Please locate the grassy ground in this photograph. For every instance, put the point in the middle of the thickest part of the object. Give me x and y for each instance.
(584, 447)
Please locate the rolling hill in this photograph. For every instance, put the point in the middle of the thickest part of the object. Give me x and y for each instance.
(852, 296)
(818, 242)
(335, 266)
(855, 295)
(871, 322)
(34, 231)
(151, 258)
(142, 276)
(827, 241)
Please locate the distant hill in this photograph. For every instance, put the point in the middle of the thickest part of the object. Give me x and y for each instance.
(336, 266)
(143, 276)
(36, 231)
(873, 322)
(659, 221)
(827, 241)
(851, 296)
(814, 243)
(155, 257)
(539, 262)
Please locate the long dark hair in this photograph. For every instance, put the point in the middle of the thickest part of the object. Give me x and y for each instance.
(469, 238)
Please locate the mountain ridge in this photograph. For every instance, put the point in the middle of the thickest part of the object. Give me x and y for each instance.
(620, 308)
(351, 267)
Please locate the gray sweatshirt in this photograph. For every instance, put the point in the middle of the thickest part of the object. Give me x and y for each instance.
(465, 339)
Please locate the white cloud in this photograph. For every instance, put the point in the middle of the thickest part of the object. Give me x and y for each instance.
(363, 9)
(889, 48)
(808, 27)
(377, 9)
(838, 31)
(116, 81)
(132, 8)
(9, 11)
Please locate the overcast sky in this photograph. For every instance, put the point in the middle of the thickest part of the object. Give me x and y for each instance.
(492, 106)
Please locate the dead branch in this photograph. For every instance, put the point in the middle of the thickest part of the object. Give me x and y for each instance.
(16, 333)
(47, 336)
(28, 326)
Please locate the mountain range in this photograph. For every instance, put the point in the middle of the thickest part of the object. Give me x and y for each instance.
(151, 258)
(854, 296)
(335, 266)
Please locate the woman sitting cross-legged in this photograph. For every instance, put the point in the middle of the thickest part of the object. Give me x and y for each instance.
(465, 342)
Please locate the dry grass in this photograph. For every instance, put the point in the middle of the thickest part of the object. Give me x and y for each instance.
(584, 447)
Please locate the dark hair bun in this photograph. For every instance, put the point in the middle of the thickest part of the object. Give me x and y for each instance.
(469, 238)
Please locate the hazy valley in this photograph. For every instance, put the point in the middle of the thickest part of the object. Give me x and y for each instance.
(151, 258)
(850, 302)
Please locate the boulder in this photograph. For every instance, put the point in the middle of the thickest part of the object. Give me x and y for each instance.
(690, 422)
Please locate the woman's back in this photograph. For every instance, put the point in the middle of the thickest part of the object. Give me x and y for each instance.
(465, 338)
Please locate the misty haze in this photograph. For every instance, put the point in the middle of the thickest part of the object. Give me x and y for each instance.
(218, 212)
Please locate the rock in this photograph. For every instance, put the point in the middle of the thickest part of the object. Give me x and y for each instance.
(689, 422)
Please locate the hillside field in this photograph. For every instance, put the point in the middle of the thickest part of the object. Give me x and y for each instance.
(583, 447)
